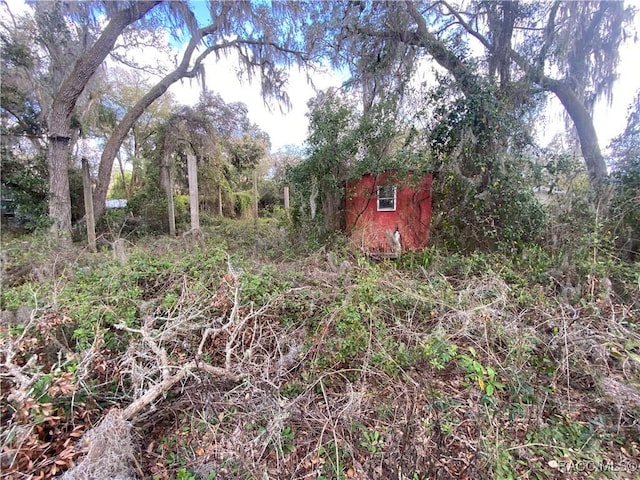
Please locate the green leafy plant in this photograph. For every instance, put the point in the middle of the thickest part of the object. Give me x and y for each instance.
(184, 474)
(336, 457)
(287, 440)
(484, 376)
(438, 352)
(372, 440)
(353, 334)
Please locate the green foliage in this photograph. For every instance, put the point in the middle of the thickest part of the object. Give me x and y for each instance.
(483, 194)
(572, 440)
(270, 200)
(25, 295)
(345, 144)
(24, 181)
(76, 194)
(624, 218)
(182, 211)
(586, 238)
(505, 462)
(184, 474)
(149, 205)
(332, 144)
(20, 254)
(352, 334)
(444, 344)
(246, 151)
(262, 286)
(505, 215)
(243, 202)
(475, 128)
(372, 440)
(102, 298)
(484, 376)
(225, 144)
(97, 299)
(438, 352)
(388, 142)
(116, 223)
(336, 457)
(119, 186)
(284, 443)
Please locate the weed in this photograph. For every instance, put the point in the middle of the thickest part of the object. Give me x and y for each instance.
(262, 286)
(336, 458)
(292, 389)
(184, 474)
(504, 464)
(437, 351)
(373, 338)
(353, 334)
(28, 295)
(372, 440)
(287, 440)
(484, 376)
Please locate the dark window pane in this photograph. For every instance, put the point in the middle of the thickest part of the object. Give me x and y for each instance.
(387, 197)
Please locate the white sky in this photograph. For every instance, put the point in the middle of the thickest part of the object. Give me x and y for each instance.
(609, 120)
(289, 128)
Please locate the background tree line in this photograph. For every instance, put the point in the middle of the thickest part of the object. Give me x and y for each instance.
(494, 66)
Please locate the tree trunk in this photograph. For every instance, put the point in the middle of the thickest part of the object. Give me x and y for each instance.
(59, 197)
(332, 211)
(118, 136)
(194, 205)
(596, 165)
(255, 198)
(88, 205)
(60, 117)
(446, 58)
(286, 199)
(580, 116)
(220, 201)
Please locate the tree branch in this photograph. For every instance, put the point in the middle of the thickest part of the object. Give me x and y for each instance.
(548, 38)
(468, 27)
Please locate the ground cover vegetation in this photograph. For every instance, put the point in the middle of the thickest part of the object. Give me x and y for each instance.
(258, 357)
(268, 345)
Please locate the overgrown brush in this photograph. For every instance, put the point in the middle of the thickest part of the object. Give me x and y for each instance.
(322, 365)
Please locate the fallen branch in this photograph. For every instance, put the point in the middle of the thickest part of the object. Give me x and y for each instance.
(22, 377)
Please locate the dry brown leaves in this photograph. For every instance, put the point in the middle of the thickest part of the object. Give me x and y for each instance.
(42, 442)
(41, 425)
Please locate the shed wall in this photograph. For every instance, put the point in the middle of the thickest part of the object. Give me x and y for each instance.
(371, 229)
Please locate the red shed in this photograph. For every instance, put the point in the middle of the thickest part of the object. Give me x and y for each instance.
(382, 209)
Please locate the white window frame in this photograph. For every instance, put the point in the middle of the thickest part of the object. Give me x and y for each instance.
(394, 198)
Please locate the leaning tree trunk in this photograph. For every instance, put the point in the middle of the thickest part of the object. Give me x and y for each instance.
(60, 117)
(582, 120)
(131, 117)
(580, 116)
(120, 133)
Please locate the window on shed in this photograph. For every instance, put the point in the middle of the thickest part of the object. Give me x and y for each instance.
(387, 198)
